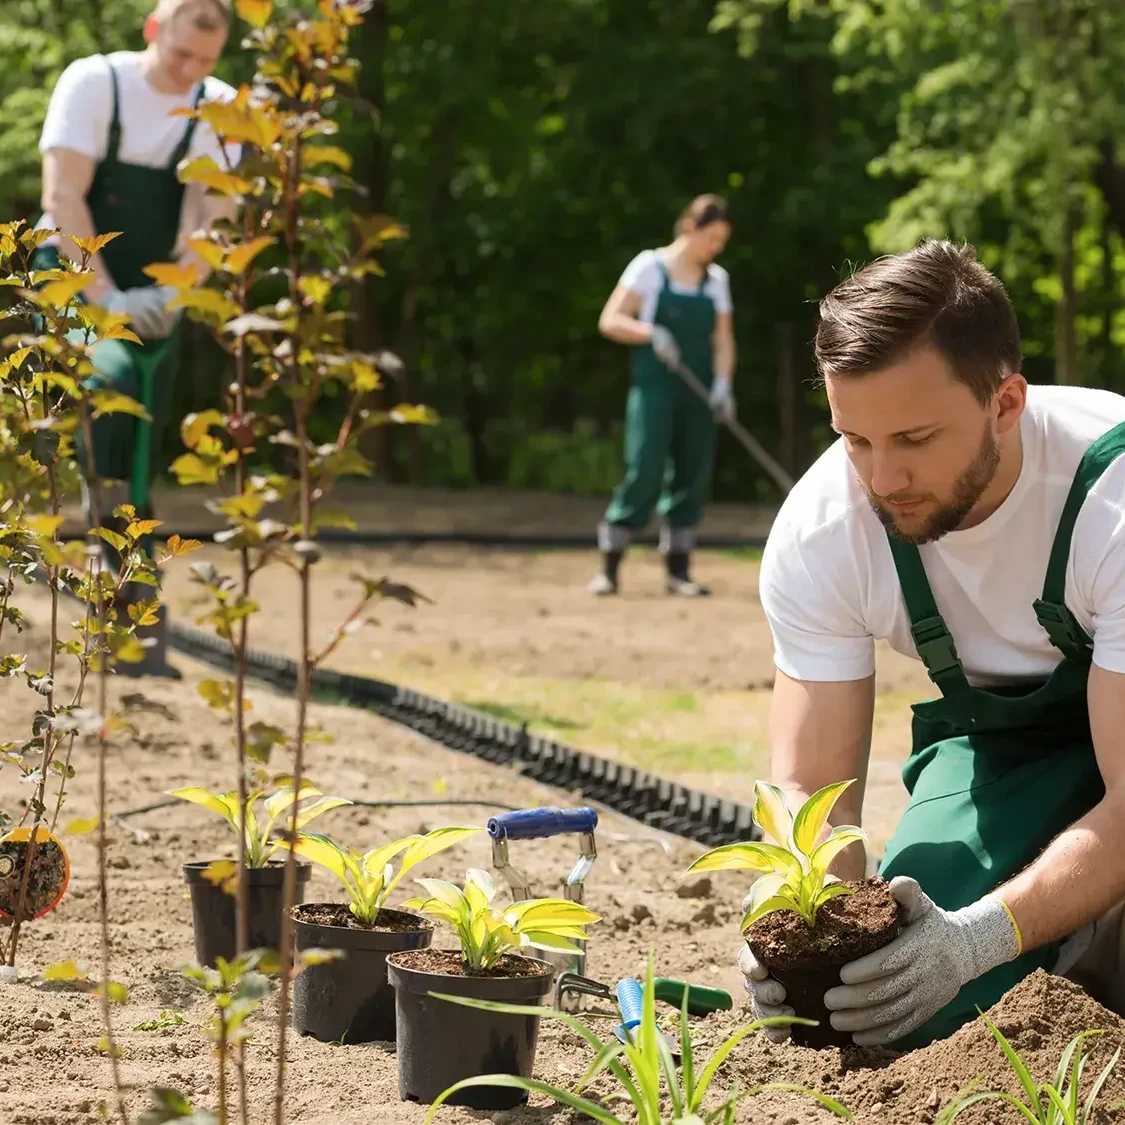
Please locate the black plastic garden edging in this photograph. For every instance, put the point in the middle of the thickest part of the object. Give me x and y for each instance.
(515, 541)
(643, 796)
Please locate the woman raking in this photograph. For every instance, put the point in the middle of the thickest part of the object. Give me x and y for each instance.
(673, 305)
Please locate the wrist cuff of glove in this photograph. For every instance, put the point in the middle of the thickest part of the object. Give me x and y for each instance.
(992, 934)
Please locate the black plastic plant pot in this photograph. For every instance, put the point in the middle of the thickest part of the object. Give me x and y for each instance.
(349, 1000)
(440, 1043)
(213, 913)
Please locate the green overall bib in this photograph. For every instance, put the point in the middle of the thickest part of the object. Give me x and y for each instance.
(995, 775)
(669, 432)
(144, 204)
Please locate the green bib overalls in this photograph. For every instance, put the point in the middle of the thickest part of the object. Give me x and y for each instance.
(995, 775)
(144, 204)
(669, 432)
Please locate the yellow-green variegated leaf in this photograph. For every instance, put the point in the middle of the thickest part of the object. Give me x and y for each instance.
(771, 813)
(833, 890)
(320, 849)
(545, 939)
(311, 812)
(537, 911)
(839, 838)
(423, 847)
(763, 888)
(747, 856)
(444, 892)
(376, 860)
(277, 803)
(435, 908)
(813, 815)
(213, 801)
(767, 907)
(480, 889)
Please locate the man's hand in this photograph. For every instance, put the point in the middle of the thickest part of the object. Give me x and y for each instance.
(665, 346)
(890, 992)
(767, 995)
(721, 399)
(146, 309)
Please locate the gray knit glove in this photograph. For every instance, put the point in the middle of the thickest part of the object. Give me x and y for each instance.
(766, 995)
(890, 992)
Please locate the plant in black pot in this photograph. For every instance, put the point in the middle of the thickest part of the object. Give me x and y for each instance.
(441, 1043)
(349, 1000)
(801, 922)
(212, 881)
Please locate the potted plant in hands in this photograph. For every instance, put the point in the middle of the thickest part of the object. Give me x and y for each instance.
(349, 1000)
(802, 923)
(212, 881)
(440, 1043)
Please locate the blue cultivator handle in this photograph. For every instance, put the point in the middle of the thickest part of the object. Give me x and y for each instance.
(541, 823)
(630, 999)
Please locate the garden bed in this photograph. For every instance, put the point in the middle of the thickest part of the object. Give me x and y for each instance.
(53, 1073)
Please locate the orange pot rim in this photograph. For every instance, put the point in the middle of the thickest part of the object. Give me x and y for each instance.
(42, 835)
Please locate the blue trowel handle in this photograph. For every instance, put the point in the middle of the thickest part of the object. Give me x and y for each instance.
(630, 999)
(538, 824)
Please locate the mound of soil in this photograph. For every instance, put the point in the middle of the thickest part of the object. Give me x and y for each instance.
(1039, 1017)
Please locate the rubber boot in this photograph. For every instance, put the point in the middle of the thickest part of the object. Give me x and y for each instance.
(605, 584)
(678, 580)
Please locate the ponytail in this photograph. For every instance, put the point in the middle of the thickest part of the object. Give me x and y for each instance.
(700, 212)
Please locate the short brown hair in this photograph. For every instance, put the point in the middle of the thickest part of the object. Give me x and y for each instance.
(206, 15)
(702, 211)
(936, 294)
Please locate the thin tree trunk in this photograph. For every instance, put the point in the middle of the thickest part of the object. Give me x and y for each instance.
(1066, 310)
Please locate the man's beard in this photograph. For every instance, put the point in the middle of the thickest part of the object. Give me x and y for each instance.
(967, 490)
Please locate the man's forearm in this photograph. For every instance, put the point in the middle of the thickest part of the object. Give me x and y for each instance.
(73, 217)
(1078, 877)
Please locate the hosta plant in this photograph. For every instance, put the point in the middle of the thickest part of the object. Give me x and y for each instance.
(644, 1070)
(794, 868)
(488, 932)
(370, 877)
(1048, 1103)
(260, 842)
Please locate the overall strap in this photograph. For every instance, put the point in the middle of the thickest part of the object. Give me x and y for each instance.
(114, 142)
(932, 638)
(1064, 629)
(181, 149)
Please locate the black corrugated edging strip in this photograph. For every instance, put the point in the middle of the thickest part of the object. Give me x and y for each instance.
(644, 797)
(521, 541)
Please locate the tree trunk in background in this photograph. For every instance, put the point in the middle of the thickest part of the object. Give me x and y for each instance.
(788, 399)
(370, 172)
(1066, 311)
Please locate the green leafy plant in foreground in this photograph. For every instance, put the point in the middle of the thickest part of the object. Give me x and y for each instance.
(488, 933)
(1049, 1103)
(640, 1067)
(795, 867)
(259, 827)
(369, 878)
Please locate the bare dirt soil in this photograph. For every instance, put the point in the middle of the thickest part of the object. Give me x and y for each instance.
(52, 1071)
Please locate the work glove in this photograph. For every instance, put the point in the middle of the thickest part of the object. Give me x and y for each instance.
(146, 309)
(890, 992)
(767, 995)
(721, 399)
(665, 346)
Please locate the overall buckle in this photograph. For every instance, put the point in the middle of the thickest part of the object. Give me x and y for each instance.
(935, 645)
(1063, 628)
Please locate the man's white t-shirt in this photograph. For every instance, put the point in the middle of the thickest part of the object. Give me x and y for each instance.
(642, 275)
(81, 109)
(829, 587)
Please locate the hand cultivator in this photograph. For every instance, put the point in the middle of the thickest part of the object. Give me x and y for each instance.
(541, 824)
